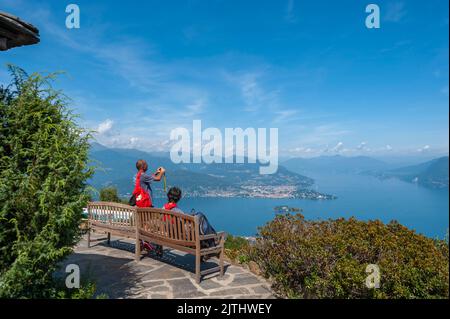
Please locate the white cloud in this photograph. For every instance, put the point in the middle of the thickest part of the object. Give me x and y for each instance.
(388, 147)
(424, 149)
(105, 127)
(301, 150)
(134, 140)
(338, 148)
(361, 146)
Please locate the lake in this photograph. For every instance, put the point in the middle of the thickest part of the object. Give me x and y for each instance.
(365, 197)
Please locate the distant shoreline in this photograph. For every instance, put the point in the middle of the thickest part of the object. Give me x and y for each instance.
(307, 195)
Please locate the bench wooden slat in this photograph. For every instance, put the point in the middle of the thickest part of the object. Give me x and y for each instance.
(164, 238)
(212, 236)
(172, 226)
(210, 270)
(208, 251)
(188, 229)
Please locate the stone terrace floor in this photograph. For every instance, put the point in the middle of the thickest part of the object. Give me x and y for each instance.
(113, 269)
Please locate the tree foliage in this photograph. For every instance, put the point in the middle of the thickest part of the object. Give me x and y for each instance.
(43, 173)
(109, 194)
(328, 259)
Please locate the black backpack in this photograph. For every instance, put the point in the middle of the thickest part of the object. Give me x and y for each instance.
(205, 229)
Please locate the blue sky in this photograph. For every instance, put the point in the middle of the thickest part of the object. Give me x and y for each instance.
(137, 69)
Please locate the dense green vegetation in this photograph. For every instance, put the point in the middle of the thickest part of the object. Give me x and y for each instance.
(109, 194)
(43, 173)
(237, 248)
(328, 259)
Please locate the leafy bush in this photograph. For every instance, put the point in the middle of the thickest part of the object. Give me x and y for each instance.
(109, 194)
(237, 248)
(87, 290)
(328, 259)
(43, 170)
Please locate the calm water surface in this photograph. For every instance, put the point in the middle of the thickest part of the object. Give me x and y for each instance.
(365, 197)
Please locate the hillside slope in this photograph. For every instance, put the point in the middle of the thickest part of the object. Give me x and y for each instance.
(431, 174)
(117, 167)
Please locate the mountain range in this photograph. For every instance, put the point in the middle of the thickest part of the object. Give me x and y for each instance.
(116, 166)
(430, 174)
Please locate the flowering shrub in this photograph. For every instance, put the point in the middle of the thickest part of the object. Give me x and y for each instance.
(328, 259)
(237, 248)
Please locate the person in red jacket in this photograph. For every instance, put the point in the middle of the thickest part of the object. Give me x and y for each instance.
(143, 190)
(143, 194)
(173, 197)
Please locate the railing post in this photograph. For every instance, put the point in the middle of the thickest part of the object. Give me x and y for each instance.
(222, 244)
(89, 225)
(197, 248)
(137, 223)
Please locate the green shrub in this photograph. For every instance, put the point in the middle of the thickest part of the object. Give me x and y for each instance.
(109, 194)
(328, 259)
(43, 173)
(87, 290)
(236, 248)
(236, 242)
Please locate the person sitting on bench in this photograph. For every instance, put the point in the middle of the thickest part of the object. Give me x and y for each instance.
(173, 197)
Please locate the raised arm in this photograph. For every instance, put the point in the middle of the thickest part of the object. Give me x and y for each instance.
(157, 176)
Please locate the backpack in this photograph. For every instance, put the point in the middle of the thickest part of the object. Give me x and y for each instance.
(140, 197)
(205, 229)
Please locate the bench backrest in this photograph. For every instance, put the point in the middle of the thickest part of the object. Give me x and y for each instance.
(174, 227)
(111, 214)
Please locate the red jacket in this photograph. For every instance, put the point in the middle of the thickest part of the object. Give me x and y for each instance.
(142, 197)
(169, 206)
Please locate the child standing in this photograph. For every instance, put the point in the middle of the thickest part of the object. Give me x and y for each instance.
(142, 194)
(143, 190)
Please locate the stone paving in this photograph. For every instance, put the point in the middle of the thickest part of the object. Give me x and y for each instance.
(115, 272)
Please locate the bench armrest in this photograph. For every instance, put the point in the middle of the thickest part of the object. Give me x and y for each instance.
(219, 235)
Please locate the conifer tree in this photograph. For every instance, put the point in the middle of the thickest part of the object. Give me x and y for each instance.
(43, 174)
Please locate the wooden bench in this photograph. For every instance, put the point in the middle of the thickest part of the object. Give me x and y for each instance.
(166, 228)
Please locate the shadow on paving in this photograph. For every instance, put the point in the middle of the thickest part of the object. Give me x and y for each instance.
(170, 257)
(112, 276)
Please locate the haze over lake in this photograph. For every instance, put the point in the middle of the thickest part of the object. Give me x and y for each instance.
(365, 197)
